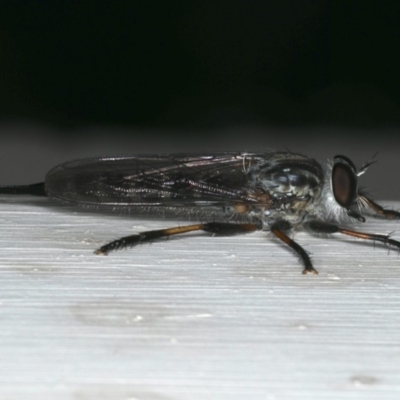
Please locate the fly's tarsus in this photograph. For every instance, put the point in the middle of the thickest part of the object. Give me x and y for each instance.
(327, 228)
(388, 214)
(371, 236)
(143, 237)
(216, 228)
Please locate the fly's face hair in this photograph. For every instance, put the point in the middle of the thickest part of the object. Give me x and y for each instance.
(237, 193)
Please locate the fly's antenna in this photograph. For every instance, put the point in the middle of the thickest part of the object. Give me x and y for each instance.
(365, 166)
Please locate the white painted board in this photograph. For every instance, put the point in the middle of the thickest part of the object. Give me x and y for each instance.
(193, 318)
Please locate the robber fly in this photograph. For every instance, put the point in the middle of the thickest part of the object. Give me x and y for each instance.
(237, 193)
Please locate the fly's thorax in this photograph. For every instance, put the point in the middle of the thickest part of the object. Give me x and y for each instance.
(292, 182)
(283, 176)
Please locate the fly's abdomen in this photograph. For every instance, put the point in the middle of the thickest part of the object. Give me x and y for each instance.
(91, 182)
(161, 181)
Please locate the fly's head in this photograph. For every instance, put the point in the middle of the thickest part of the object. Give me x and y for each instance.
(340, 197)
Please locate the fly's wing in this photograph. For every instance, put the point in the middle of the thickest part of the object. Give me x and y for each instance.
(170, 181)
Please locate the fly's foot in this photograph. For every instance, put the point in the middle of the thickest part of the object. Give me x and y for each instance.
(310, 270)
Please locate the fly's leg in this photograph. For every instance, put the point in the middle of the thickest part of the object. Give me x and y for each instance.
(278, 229)
(216, 228)
(326, 228)
(389, 214)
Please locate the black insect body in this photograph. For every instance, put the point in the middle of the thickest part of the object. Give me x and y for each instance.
(238, 193)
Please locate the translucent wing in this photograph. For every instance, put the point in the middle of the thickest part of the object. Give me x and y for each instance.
(169, 181)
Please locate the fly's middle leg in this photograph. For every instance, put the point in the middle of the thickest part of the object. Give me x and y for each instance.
(278, 229)
(216, 228)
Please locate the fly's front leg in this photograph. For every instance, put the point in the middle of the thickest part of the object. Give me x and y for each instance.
(278, 229)
(216, 228)
(379, 210)
(326, 228)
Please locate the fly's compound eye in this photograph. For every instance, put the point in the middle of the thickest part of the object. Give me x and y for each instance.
(344, 181)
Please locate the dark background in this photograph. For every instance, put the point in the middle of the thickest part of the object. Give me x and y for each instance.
(81, 78)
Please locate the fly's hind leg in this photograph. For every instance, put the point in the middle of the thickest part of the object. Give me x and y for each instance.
(217, 228)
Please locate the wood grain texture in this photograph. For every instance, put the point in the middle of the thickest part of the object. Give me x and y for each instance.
(191, 318)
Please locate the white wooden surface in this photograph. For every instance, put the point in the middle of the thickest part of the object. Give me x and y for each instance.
(195, 318)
